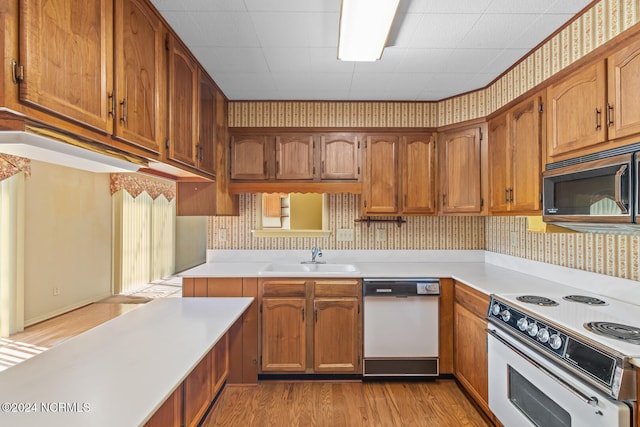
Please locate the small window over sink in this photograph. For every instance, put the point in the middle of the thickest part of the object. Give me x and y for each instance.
(292, 215)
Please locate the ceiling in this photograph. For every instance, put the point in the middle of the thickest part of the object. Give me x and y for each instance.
(287, 49)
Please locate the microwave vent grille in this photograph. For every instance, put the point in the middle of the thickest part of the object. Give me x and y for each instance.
(595, 156)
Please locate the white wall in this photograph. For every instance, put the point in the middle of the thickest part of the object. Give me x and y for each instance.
(191, 241)
(67, 239)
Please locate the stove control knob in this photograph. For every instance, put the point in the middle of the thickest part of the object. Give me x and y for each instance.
(506, 315)
(522, 324)
(495, 309)
(532, 329)
(543, 335)
(555, 341)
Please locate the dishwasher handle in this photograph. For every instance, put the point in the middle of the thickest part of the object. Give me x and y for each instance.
(401, 287)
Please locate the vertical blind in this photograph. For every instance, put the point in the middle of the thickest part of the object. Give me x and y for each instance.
(143, 240)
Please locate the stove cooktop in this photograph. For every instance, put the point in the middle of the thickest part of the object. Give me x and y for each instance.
(574, 314)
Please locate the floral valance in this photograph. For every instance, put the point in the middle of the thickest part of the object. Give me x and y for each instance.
(11, 165)
(135, 184)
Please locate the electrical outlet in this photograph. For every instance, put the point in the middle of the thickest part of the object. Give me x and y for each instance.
(222, 234)
(381, 235)
(514, 239)
(344, 235)
(56, 291)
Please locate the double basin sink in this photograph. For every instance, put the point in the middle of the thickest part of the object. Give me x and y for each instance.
(316, 268)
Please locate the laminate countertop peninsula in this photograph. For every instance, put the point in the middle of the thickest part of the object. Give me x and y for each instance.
(119, 373)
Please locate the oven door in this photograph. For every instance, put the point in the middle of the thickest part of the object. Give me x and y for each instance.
(526, 389)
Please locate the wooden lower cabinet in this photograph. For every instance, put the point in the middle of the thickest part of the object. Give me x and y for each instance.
(243, 336)
(204, 382)
(169, 414)
(311, 326)
(470, 343)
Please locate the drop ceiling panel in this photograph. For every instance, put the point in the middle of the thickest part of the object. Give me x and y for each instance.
(287, 49)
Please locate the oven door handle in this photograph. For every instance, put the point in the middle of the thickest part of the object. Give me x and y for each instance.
(618, 189)
(590, 400)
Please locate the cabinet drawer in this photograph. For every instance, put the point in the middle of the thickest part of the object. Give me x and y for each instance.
(337, 288)
(283, 288)
(475, 301)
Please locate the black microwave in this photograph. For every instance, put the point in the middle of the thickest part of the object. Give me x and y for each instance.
(593, 195)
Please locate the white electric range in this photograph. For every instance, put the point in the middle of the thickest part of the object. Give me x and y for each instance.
(562, 358)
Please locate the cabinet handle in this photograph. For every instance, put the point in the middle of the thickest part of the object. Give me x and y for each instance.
(303, 314)
(123, 106)
(322, 166)
(609, 115)
(316, 315)
(506, 195)
(112, 111)
(277, 168)
(264, 167)
(444, 198)
(511, 195)
(597, 118)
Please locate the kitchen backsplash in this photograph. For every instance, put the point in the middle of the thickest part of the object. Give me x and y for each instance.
(613, 255)
(603, 21)
(417, 233)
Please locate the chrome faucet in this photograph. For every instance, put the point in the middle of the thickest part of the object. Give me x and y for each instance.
(316, 252)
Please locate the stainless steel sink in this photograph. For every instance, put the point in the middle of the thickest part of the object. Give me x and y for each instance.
(329, 268)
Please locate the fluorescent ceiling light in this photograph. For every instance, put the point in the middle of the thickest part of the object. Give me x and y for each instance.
(364, 28)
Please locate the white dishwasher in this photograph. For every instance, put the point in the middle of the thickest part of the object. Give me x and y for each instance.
(401, 327)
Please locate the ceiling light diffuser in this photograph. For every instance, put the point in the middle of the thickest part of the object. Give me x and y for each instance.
(364, 28)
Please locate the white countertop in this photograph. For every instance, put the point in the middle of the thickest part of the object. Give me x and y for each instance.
(119, 373)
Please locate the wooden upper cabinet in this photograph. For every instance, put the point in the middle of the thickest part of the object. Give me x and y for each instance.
(339, 156)
(417, 166)
(206, 147)
(139, 53)
(250, 157)
(500, 159)
(623, 108)
(66, 48)
(380, 186)
(577, 112)
(460, 172)
(515, 147)
(183, 104)
(294, 157)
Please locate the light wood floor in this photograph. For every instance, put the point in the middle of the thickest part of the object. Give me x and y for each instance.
(435, 404)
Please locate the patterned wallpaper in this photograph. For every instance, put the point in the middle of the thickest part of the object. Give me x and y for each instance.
(11, 165)
(417, 233)
(613, 255)
(605, 20)
(135, 184)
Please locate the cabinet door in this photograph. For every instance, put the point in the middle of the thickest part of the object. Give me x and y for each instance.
(418, 174)
(294, 157)
(250, 157)
(66, 48)
(623, 109)
(380, 186)
(460, 171)
(206, 148)
(197, 392)
(336, 334)
(219, 364)
(339, 157)
(284, 334)
(183, 104)
(140, 76)
(576, 118)
(471, 360)
(500, 160)
(526, 153)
